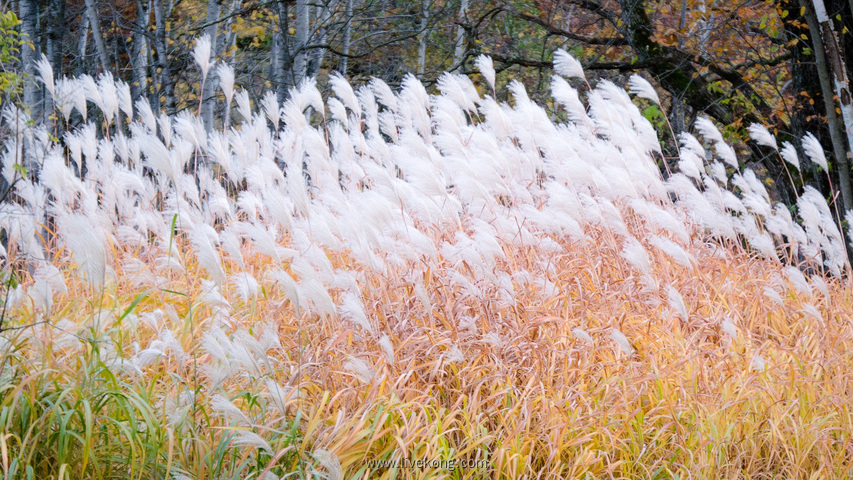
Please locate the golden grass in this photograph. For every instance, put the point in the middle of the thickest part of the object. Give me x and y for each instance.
(529, 398)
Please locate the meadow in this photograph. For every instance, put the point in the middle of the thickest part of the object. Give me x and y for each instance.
(341, 287)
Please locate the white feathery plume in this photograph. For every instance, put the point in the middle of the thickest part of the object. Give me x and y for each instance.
(387, 348)
(88, 244)
(789, 154)
(245, 438)
(727, 154)
(312, 290)
(330, 462)
(157, 156)
(763, 243)
(820, 284)
(352, 309)
(689, 142)
(190, 128)
(708, 130)
(762, 136)
(567, 66)
(729, 328)
(687, 164)
(718, 171)
(271, 107)
(280, 396)
(108, 95)
(453, 355)
(798, 280)
(678, 254)
(46, 75)
(814, 150)
(757, 363)
(79, 97)
(636, 255)
(288, 286)
(384, 94)
(64, 99)
(676, 302)
(146, 115)
(243, 105)
(360, 369)
(487, 69)
(41, 295)
(125, 102)
(621, 341)
(343, 90)
(641, 87)
(225, 72)
(246, 285)
(165, 124)
(201, 54)
(459, 89)
(207, 256)
(582, 335)
(813, 311)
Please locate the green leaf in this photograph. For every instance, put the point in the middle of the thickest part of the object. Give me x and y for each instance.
(133, 304)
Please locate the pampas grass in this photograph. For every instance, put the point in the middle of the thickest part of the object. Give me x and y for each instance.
(641, 87)
(472, 285)
(566, 65)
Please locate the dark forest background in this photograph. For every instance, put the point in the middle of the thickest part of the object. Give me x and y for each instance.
(782, 64)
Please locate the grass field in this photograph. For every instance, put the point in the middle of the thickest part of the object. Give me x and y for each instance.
(434, 293)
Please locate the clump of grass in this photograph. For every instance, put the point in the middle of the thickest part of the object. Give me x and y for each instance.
(296, 302)
(525, 393)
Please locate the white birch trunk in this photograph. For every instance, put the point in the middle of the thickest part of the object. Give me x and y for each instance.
(300, 63)
(835, 63)
(460, 36)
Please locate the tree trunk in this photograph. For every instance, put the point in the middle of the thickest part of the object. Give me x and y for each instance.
(676, 72)
(55, 43)
(82, 45)
(459, 52)
(208, 94)
(300, 64)
(344, 63)
(92, 13)
(163, 56)
(835, 125)
(139, 83)
(284, 69)
(321, 26)
(29, 57)
(422, 37)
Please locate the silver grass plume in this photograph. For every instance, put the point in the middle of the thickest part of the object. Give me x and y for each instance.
(225, 73)
(708, 130)
(330, 462)
(201, 55)
(621, 341)
(789, 154)
(814, 150)
(641, 87)
(46, 75)
(88, 244)
(487, 69)
(762, 136)
(566, 65)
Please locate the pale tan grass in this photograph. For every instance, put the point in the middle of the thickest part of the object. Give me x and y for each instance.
(532, 399)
